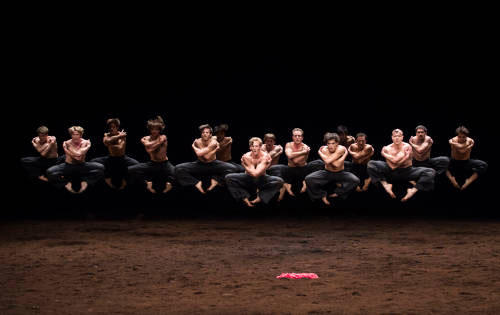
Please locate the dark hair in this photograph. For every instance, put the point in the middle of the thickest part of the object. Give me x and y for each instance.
(42, 130)
(114, 121)
(269, 136)
(221, 127)
(421, 127)
(462, 129)
(331, 136)
(156, 123)
(205, 126)
(341, 129)
(361, 134)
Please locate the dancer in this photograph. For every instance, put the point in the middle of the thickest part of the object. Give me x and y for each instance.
(361, 153)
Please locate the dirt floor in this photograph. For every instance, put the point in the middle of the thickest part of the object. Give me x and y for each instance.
(230, 266)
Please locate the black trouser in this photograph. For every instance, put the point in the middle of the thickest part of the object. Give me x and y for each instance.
(189, 174)
(238, 168)
(37, 166)
(276, 170)
(298, 173)
(423, 176)
(89, 172)
(115, 166)
(360, 170)
(242, 185)
(439, 164)
(317, 181)
(467, 167)
(152, 171)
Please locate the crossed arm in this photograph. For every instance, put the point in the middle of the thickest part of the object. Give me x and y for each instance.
(336, 159)
(107, 140)
(366, 153)
(462, 147)
(424, 147)
(152, 145)
(43, 149)
(397, 160)
(291, 154)
(256, 170)
(210, 149)
(77, 154)
(276, 151)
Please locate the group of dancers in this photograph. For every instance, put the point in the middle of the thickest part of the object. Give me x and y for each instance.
(344, 166)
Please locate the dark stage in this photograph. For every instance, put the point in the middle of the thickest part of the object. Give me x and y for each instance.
(129, 251)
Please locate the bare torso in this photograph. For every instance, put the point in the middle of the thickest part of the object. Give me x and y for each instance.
(401, 153)
(115, 147)
(210, 156)
(48, 149)
(275, 151)
(461, 151)
(340, 153)
(363, 155)
(300, 160)
(160, 153)
(224, 152)
(256, 162)
(424, 146)
(76, 152)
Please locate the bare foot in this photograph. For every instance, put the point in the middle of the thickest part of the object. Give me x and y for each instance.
(358, 189)
(304, 187)
(109, 182)
(333, 195)
(325, 201)
(149, 186)
(282, 193)
(248, 203)
(83, 187)
(288, 188)
(200, 187)
(452, 179)
(168, 187)
(124, 183)
(69, 187)
(43, 178)
(409, 193)
(213, 184)
(367, 184)
(256, 200)
(388, 188)
(469, 181)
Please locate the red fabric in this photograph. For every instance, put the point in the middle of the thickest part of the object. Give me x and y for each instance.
(298, 276)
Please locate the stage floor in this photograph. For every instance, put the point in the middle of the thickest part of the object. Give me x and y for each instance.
(230, 266)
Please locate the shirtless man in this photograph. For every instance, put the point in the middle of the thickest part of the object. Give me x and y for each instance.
(333, 154)
(345, 140)
(225, 143)
(74, 165)
(46, 146)
(116, 163)
(361, 154)
(398, 166)
(298, 168)
(275, 151)
(461, 147)
(421, 145)
(159, 167)
(255, 179)
(205, 149)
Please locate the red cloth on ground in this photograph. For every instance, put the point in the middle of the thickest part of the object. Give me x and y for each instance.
(298, 276)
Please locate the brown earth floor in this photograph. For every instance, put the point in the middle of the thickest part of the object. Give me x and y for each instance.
(229, 266)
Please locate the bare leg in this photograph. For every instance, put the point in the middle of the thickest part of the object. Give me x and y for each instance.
(213, 184)
(409, 193)
(469, 181)
(108, 181)
(388, 188)
(124, 183)
(304, 187)
(367, 184)
(358, 189)
(69, 187)
(325, 200)
(248, 203)
(282, 193)
(333, 195)
(149, 186)
(168, 187)
(83, 187)
(256, 200)
(452, 180)
(43, 178)
(288, 188)
(200, 187)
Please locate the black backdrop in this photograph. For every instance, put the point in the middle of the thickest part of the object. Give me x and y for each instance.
(256, 85)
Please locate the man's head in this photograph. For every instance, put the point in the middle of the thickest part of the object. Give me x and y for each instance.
(397, 136)
(297, 135)
(156, 126)
(220, 131)
(462, 134)
(76, 133)
(113, 125)
(421, 131)
(43, 133)
(255, 144)
(206, 132)
(342, 132)
(332, 140)
(269, 139)
(361, 139)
